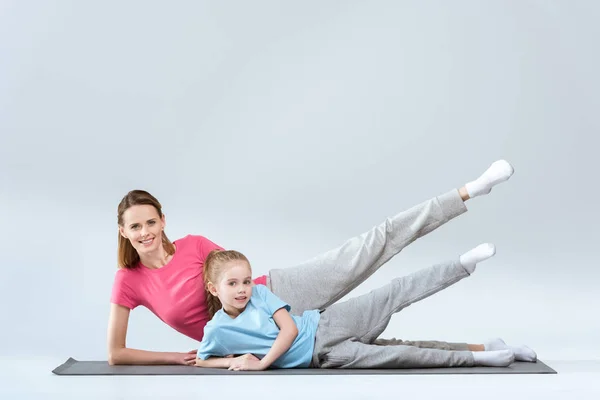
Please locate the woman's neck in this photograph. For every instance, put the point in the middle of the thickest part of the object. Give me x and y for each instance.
(156, 260)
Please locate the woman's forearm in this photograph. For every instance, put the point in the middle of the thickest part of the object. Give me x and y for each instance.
(125, 356)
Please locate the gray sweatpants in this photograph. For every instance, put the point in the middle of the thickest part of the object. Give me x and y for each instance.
(347, 331)
(325, 279)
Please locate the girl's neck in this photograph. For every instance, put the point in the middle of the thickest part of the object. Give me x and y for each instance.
(233, 313)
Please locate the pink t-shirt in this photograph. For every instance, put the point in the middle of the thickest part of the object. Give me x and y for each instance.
(174, 292)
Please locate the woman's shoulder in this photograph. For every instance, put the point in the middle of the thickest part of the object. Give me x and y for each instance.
(199, 243)
(192, 238)
(127, 275)
(125, 286)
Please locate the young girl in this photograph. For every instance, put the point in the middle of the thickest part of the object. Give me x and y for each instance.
(250, 319)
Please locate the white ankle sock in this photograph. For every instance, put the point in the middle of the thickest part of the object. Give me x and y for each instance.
(498, 172)
(476, 255)
(496, 358)
(522, 353)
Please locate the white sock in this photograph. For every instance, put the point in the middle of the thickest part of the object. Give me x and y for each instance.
(496, 358)
(476, 255)
(522, 353)
(498, 172)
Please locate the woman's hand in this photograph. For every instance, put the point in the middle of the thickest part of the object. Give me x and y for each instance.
(188, 358)
(246, 362)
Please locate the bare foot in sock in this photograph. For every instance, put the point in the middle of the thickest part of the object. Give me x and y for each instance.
(480, 253)
(497, 173)
(522, 353)
(495, 358)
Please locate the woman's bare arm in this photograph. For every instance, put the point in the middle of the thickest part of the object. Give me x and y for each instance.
(119, 354)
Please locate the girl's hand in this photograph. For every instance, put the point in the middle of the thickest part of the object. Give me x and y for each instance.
(247, 362)
(247, 356)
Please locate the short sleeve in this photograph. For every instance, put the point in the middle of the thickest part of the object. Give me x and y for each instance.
(209, 346)
(205, 246)
(272, 302)
(122, 294)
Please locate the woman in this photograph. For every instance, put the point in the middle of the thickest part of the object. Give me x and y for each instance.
(166, 277)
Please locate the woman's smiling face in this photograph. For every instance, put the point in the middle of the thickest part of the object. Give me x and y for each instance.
(143, 227)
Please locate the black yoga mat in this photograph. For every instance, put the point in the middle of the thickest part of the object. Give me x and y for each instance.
(75, 367)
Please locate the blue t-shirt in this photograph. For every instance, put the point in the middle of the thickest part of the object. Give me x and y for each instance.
(254, 331)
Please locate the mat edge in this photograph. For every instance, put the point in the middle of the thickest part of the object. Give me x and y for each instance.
(64, 366)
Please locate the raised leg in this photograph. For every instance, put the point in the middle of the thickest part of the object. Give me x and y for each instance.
(323, 280)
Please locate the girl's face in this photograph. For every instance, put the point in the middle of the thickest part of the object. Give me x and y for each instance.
(143, 227)
(234, 286)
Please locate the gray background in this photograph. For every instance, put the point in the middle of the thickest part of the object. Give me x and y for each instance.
(283, 128)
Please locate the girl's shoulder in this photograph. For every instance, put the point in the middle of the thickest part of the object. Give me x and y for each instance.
(259, 290)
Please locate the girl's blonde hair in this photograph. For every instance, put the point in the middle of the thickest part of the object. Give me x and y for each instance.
(213, 268)
(127, 256)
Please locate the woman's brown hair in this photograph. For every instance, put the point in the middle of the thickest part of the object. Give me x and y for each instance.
(212, 271)
(127, 256)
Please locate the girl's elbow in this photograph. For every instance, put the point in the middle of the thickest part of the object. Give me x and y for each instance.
(294, 331)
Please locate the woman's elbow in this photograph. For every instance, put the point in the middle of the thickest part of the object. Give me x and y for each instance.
(112, 360)
(114, 357)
